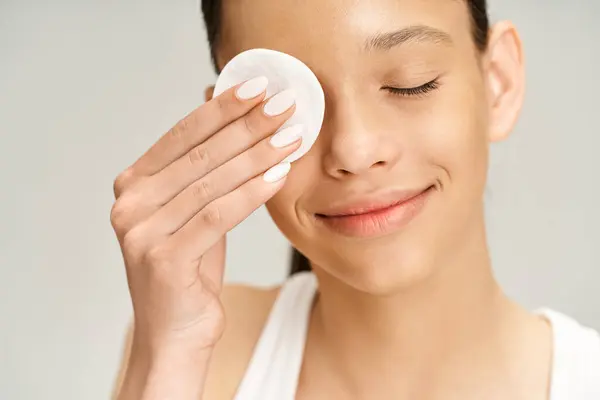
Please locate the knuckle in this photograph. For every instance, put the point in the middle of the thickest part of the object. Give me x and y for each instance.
(211, 216)
(177, 134)
(250, 126)
(202, 190)
(133, 241)
(221, 104)
(123, 180)
(181, 127)
(118, 215)
(199, 156)
(115, 214)
(158, 258)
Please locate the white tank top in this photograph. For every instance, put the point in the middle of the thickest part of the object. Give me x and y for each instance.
(274, 369)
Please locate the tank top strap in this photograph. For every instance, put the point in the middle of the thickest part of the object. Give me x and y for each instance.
(576, 358)
(275, 365)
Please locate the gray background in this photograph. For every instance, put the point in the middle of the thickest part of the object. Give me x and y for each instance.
(86, 87)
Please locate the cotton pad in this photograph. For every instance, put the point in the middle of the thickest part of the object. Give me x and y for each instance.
(283, 72)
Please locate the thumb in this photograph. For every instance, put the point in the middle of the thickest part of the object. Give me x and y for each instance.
(212, 265)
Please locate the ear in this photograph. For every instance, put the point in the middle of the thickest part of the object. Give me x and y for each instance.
(505, 76)
(208, 93)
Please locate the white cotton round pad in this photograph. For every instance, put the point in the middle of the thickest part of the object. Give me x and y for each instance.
(283, 72)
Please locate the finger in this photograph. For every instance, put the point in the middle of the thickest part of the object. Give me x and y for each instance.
(150, 193)
(200, 124)
(175, 214)
(230, 142)
(215, 220)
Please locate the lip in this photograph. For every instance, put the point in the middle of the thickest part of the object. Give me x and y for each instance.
(376, 216)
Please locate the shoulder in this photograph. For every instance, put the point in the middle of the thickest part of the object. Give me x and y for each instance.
(576, 370)
(246, 311)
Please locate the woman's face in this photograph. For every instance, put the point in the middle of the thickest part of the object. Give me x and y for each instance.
(378, 144)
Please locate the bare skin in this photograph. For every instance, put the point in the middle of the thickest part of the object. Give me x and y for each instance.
(414, 313)
(173, 207)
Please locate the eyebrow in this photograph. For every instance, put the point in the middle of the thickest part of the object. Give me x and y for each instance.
(416, 33)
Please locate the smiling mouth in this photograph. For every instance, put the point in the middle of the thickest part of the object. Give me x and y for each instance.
(371, 219)
(373, 207)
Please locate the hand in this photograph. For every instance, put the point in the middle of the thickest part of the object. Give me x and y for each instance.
(176, 203)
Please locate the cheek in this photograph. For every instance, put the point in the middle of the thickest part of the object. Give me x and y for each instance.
(285, 207)
(455, 135)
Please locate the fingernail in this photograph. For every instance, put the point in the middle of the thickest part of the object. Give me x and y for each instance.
(252, 88)
(287, 136)
(277, 172)
(280, 103)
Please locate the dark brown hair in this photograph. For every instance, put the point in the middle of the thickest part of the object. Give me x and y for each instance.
(211, 9)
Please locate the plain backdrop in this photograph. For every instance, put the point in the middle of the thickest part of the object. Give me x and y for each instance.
(87, 86)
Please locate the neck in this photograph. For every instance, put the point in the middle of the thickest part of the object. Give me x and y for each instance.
(419, 331)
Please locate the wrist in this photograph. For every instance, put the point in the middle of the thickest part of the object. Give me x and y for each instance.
(171, 370)
(177, 373)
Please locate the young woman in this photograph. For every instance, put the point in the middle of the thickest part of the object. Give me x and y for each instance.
(386, 211)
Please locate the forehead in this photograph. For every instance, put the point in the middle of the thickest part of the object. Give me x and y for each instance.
(311, 29)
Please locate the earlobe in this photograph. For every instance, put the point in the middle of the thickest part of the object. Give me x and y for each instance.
(208, 93)
(505, 80)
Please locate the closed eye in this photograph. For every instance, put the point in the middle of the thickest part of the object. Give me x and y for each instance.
(414, 91)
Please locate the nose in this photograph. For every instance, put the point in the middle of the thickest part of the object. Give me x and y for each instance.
(358, 141)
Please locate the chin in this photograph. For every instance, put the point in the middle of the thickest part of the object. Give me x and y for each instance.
(378, 268)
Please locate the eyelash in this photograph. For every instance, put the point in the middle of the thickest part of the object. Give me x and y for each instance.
(415, 91)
